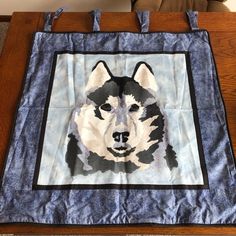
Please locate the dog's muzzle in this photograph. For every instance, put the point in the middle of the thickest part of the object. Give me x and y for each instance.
(121, 148)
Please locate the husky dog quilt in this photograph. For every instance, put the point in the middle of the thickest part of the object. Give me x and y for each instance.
(120, 128)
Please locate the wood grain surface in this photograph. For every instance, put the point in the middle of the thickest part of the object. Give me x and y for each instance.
(13, 63)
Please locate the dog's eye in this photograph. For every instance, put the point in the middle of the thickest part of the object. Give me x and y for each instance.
(133, 108)
(106, 107)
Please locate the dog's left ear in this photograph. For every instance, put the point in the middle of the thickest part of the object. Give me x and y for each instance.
(144, 76)
(99, 76)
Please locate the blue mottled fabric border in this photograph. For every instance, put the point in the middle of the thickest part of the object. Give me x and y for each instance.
(216, 205)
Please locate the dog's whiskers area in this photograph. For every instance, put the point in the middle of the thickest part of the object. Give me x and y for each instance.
(121, 148)
(119, 153)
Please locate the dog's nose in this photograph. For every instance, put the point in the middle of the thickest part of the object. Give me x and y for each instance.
(121, 137)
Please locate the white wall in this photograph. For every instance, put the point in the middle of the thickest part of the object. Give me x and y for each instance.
(231, 4)
(9, 6)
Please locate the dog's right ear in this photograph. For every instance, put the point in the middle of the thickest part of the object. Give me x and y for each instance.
(98, 77)
(144, 76)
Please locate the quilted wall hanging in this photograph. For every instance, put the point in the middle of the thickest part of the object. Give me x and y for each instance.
(120, 128)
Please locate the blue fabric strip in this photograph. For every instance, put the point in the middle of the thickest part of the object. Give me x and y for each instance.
(49, 19)
(48, 22)
(96, 20)
(193, 19)
(143, 17)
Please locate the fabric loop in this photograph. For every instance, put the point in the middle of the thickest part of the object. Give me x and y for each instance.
(193, 19)
(96, 20)
(143, 17)
(49, 19)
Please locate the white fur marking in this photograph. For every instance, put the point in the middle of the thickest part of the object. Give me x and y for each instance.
(145, 78)
(98, 77)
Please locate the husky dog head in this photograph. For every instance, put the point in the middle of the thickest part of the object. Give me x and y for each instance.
(120, 125)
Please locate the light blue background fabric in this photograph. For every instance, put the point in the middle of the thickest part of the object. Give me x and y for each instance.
(173, 97)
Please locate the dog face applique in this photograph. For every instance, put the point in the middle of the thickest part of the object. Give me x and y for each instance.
(120, 125)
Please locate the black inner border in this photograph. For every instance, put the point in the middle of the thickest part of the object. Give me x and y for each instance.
(35, 186)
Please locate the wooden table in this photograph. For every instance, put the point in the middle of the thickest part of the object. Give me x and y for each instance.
(13, 61)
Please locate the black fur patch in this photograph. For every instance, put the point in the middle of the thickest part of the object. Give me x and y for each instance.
(99, 96)
(71, 154)
(171, 157)
(146, 156)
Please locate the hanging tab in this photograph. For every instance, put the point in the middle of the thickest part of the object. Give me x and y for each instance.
(193, 19)
(96, 20)
(143, 17)
(49, 19)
